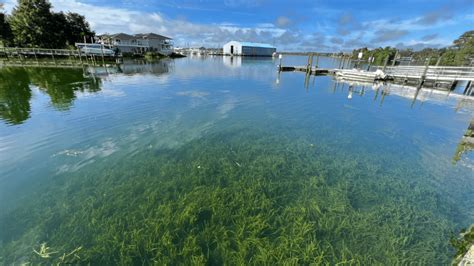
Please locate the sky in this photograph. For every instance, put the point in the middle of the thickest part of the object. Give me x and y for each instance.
(298, 25)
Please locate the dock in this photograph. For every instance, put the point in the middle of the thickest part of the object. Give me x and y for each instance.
(437, 77)
(42, 57)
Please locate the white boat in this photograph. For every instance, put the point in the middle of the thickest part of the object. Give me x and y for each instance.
(96, 49)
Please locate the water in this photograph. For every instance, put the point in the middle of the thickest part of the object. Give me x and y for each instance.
(224, 161)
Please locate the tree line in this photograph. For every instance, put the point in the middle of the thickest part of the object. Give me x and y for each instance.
(32, 23)
(460, 53)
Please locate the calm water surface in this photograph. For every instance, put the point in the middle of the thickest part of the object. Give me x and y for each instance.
(221, 160)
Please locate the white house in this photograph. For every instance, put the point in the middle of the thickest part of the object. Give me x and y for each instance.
(138, 43)
(248, 49)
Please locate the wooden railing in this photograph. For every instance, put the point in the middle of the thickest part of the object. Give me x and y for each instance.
(441, 73)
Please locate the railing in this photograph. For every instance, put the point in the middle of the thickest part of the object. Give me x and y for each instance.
(38, 51)
(433, 72)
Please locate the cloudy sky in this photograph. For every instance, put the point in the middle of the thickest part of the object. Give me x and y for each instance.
(305, 25)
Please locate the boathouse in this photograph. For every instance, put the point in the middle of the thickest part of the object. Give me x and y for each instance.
(248, 49)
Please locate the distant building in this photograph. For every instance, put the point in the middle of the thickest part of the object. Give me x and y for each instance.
(138, 43)
(248, 49)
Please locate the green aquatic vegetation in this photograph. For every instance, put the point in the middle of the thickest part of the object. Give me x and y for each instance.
(237, 197)
(462, 243)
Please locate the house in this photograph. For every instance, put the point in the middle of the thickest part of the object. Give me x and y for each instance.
(138, 43)
(248, 49)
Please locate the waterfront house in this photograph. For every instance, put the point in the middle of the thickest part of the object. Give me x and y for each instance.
(138, 43)
(248, 49)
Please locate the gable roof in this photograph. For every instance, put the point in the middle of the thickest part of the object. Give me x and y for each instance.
(121, 36)
(151, 36)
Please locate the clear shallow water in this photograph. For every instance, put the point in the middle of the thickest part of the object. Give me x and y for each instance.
(218, 160)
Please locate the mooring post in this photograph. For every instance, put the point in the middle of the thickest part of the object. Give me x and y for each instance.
(309, 65)
(453, 85)
(280, 56)
(80, 55)
(395, 58)
(36, 58)
(467, 87)
(423, 76)
(102, 53)
(385, 63)
(52, 55)
(439, 60)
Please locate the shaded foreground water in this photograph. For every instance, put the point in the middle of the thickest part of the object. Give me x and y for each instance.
(212, 161)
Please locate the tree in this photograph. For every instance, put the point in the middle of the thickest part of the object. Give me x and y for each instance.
(32, 24)
(465, 46)
(77, 28)
(5, 31)
(465, 39)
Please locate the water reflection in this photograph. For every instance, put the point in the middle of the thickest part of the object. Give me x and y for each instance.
(60, 84)
(143, 66)
(466, 144)
(15, 95)
(237, 61)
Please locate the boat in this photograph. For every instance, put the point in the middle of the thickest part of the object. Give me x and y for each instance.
(96, 49)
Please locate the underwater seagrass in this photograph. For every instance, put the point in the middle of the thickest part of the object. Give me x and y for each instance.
(238, 196)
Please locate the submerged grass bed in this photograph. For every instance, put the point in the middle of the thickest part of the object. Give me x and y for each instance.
(239, 197)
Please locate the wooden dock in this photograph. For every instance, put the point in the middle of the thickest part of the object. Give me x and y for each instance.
(15, 52)
(61, 58)
(438, 77)
(312, 71)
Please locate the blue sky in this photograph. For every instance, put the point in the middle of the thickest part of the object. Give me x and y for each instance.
(318, 25)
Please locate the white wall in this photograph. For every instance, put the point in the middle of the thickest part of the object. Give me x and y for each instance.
(237, 48)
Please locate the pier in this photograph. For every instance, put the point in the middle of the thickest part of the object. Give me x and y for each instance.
(53, 58)
(437, 77)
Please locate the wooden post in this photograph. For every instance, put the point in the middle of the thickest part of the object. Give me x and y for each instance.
(395, 58)
(385, 63)
(466, 90)
(453, 85)
(280, 56)
(36, 58)
(52, 55)
(102, 53)
(423, 76)
(439, 60)
(80, 55)
(310, 63)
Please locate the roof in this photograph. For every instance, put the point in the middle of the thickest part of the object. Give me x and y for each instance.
(255, 44)
(122, 36)
(151, 36)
